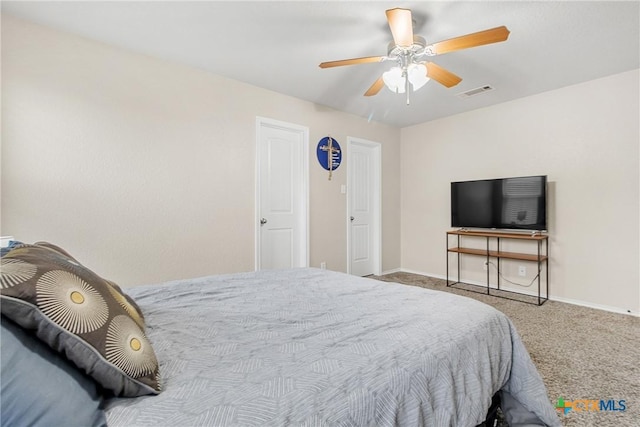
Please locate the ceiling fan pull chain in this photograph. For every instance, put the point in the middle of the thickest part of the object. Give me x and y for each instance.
(406, 86)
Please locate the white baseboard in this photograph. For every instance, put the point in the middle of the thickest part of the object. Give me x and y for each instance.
(596, 306)
(526, 292)
(395, 270)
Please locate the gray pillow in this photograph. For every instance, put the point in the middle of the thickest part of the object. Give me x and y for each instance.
(38, 387)
(81, 315)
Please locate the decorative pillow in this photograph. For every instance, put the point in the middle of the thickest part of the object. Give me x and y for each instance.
(39, 387)
(81, 315)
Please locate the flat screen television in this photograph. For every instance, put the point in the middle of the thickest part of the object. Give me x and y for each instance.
(518, 203)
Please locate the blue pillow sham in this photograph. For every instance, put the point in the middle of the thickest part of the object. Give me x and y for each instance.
(39, 387)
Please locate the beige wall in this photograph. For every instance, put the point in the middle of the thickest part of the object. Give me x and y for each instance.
(585, 138)
(144, 169)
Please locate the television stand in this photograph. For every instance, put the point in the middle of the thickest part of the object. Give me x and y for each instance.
(539, 257)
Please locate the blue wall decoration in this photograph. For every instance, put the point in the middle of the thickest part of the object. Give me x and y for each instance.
(329, 162)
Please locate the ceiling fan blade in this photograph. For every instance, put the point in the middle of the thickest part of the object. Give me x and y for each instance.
(442, 76)
(494, 35)
(401, 26)
(375, 87)
(352, 61)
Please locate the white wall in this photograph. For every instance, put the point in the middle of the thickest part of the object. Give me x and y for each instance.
(585, 138)
(144, 169)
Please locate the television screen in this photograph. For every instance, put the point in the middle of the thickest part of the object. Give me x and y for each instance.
(505, 203)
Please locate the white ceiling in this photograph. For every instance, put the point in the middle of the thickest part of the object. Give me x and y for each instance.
(278, 45)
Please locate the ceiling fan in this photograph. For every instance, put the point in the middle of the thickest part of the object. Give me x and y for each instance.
(410, 52)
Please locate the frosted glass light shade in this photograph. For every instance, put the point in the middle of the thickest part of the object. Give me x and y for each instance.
(394, 80)
(417, 74)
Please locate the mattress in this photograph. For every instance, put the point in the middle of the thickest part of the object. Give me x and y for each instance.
(306, 347)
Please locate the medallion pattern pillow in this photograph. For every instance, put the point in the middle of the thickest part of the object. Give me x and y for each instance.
(81, 315)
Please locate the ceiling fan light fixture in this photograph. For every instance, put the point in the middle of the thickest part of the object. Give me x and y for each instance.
(394, 80)
(417, 74)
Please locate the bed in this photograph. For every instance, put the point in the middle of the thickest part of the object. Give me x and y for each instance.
(299, 347)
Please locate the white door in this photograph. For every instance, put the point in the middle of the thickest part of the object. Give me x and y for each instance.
(282, 195)
(363, 207)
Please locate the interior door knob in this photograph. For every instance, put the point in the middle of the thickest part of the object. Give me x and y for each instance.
(263, 221)
(352, 218)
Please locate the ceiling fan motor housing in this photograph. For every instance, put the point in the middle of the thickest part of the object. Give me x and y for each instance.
(394, 50)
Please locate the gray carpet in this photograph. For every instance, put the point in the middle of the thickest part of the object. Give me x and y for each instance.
(581, 353)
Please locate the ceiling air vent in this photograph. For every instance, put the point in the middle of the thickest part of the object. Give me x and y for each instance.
(474, 92)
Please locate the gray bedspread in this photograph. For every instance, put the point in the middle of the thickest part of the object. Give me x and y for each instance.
(310, 347)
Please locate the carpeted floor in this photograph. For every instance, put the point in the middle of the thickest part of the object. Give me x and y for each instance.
(581, 353)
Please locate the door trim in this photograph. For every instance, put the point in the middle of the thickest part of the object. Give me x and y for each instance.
(376, 239)
(303, 217)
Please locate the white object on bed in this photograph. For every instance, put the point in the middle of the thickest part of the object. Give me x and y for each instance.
(316, 347)
(5, 240)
